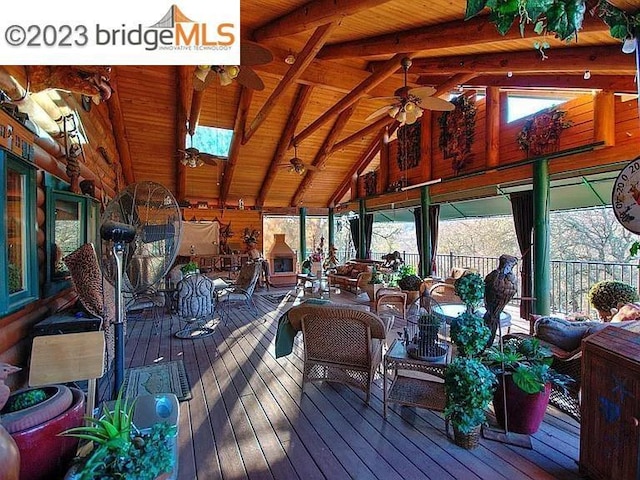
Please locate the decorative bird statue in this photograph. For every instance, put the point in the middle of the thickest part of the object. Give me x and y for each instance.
(5, 371)
(500, 287)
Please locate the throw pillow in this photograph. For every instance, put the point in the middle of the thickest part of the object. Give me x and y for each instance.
(343, 270)
(563, 333)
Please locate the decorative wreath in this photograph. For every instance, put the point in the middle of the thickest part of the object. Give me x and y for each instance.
(541, 133)
(457, 129)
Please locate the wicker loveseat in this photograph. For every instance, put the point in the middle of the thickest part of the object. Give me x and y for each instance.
(341, 344)
(564, 339)
(352, 276)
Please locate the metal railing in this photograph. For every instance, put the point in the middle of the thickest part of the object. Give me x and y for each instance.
(570, 279)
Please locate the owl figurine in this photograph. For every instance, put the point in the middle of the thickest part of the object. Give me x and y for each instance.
(500, 287)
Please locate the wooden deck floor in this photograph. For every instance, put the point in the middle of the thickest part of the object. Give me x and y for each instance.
(249, 418)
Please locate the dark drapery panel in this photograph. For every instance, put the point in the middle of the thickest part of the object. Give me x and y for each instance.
(434, 218)
(417, 220)
(355, 234)
(522, 208)
(368, 233)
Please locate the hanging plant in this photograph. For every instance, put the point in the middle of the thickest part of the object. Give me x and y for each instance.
(457, 129)
(408, 146)
(370, 183)
(562, 18)
(542, 132)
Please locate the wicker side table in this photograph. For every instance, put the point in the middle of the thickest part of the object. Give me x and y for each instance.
(416, 392)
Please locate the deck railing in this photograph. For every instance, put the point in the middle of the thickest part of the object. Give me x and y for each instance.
(570, 279)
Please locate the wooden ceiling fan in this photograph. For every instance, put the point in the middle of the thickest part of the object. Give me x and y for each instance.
(251, 54)
(192, 157)
(409, 103)
(296, 165)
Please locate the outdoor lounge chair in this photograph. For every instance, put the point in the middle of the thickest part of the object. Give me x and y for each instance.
(194, 304)
(341, 344)
(241, 292)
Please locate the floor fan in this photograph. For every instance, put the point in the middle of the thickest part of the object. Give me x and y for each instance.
(140, 234)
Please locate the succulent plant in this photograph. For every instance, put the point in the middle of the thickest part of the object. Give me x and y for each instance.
(609, 294)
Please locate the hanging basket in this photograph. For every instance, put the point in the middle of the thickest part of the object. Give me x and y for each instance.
(467, 440)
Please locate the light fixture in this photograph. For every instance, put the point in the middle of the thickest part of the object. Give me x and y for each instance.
(227, 73)
(509, 74)
(191, 161)
(587, 75)
(290, 59)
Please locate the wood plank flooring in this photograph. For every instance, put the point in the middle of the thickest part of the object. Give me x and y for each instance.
(249, 418)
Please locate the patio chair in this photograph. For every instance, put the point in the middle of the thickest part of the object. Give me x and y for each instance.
(341, 344)
(241, 293)
(393, 301)
(444, 293)
(194, 304)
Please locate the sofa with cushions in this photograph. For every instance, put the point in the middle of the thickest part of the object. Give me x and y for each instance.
(352, 276)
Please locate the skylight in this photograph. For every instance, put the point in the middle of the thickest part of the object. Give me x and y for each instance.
(521, 106)
(216, 141)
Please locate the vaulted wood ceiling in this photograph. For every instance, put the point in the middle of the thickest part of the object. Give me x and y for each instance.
(347, 51)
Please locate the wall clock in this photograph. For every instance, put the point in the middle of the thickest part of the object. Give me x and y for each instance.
(625, 197)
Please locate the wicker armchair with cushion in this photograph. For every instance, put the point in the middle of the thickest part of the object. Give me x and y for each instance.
(341, 344)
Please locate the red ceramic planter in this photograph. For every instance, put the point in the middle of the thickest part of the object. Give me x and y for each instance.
(524, 411)
(43, 453)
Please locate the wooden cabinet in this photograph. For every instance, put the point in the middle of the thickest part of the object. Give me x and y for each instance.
(610, 407)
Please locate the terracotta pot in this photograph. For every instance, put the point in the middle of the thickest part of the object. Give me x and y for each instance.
(43, 453)
(9, 456)
(525, 411)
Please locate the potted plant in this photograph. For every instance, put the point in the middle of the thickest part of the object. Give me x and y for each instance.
(35, 417)
(526, 366)
(409, 282)
(374, 284)
(469, 384)
(189, 268)
(470, 288)
(120, 450)
(607, 296)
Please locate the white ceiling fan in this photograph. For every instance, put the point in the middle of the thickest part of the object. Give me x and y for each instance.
(409, 103)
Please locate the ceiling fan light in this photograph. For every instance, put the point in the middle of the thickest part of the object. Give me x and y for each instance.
(411, 118)
(419, 112)
(393, 111)
(202, 71)
(233, 70)
(409, 107)
(402, 116)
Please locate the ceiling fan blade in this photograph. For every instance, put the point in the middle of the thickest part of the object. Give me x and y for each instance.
(250, 79)
(200, 76)
(437, 104)
(209, 159)
(252, 53)
(379, 112)
(422, 92)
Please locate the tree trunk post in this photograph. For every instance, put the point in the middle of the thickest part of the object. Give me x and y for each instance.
(332, 228)
(541, 238)
(303, 234)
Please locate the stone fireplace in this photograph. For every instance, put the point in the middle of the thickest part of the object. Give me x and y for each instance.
(282, 262)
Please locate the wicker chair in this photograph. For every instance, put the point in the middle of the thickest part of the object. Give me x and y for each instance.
(391, 300)
(341, 344)
(444, 293)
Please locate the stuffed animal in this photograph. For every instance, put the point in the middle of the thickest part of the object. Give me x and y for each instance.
(89, 80)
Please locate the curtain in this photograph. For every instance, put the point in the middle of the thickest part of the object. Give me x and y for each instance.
(354, 226)
(434, 218)
(522, 208)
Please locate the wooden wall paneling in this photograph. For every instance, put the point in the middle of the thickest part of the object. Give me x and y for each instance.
(492, 122)
(426, 146)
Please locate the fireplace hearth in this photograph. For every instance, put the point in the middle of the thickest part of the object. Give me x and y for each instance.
(282, 262)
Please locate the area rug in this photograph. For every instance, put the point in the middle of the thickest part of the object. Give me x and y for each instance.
(277, 298)
(166, 377)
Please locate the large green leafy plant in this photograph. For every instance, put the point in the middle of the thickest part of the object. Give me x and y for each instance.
(528, 362)
(562, 18)
(470, 288)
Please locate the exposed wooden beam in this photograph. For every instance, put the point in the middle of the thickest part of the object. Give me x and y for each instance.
(604, 118)
(570, 59)
(184, 96)
(312, 15)
(362, 163)
(194, 112)
(492, 127)
(323, 154)
(453, 34)
(360, 134)
(119, 131)
(303, 60)
(445, 87)
(385, 71)
(615, 83)
(246, 95)
(302, 98)
(331, 76)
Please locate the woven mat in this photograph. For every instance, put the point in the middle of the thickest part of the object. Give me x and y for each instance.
(166, 377)
(277, 298)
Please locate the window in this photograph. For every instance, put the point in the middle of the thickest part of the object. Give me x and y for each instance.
(18, 224)
(216, 141)
(521, 106)
(72, 220)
